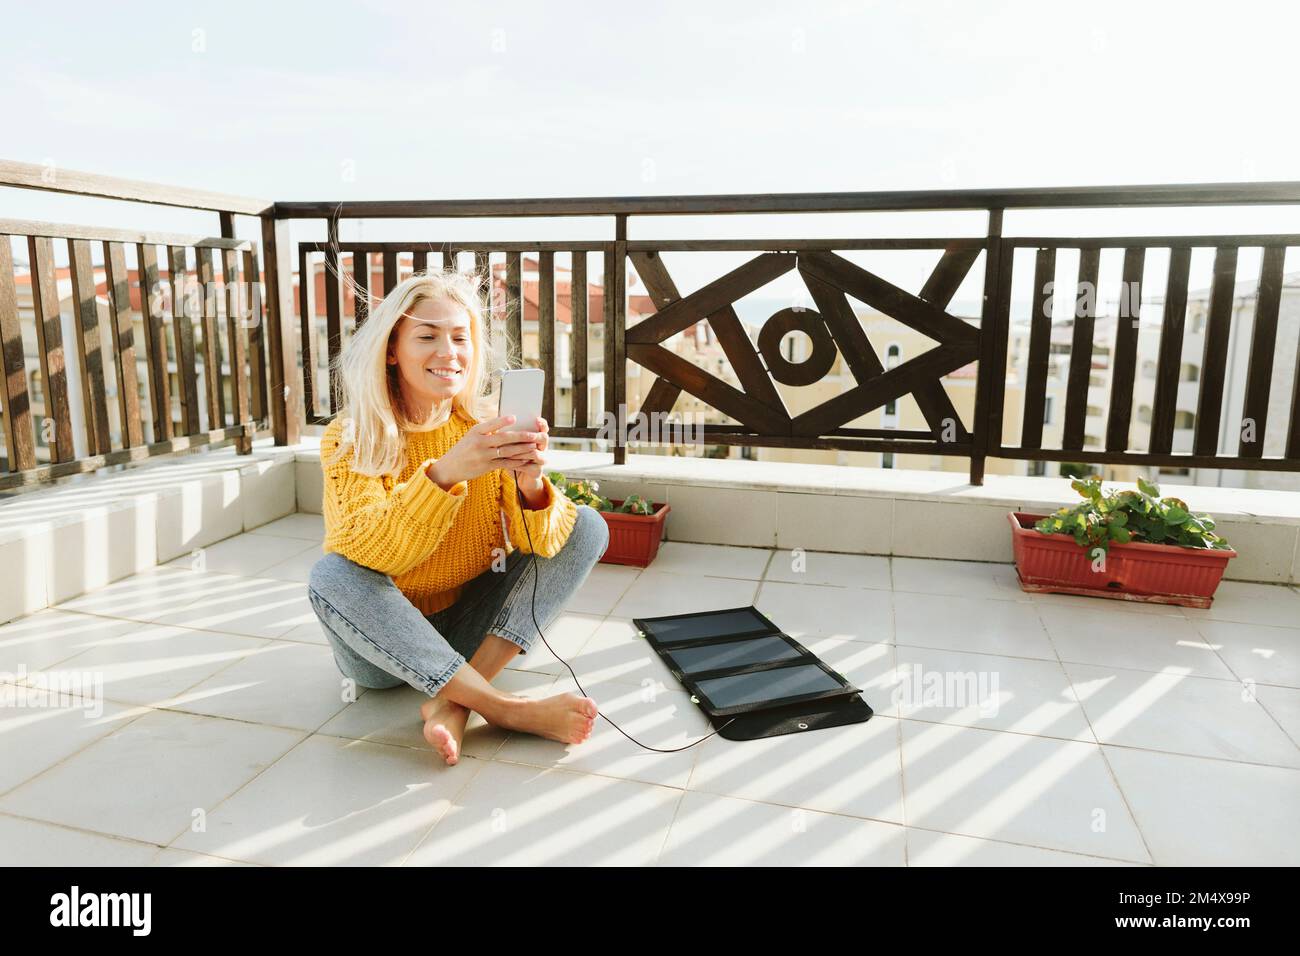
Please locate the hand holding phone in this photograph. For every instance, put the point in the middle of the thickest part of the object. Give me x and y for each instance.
(521, 397)
(514, 440)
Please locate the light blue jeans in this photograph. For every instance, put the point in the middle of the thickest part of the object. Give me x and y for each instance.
(381, 639)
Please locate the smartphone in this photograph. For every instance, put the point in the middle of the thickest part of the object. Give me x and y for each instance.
(521, 396)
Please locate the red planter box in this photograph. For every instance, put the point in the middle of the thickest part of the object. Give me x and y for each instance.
(634, 539)
(1137, 571)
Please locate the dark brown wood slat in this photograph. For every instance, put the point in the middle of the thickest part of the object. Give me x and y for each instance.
(939, 288)
(523, 246)
(1000, 315)
(419, 260)
(307, 329)
(619, 330)
(735, 341)
(390, 272)
(37, 176)
(334, 313)
(450, 260)
(661, 398)
(611, 415)
(745, 362)
(1170, 361)
(717, 393)
(361, 292)
(1263, 341)
(130, 237)
(211, 343)
(155, 342)
(284, 394)
(1040, 340)
(1124, 367)
(546, 330)
(482, 283)
(718, 294)
(988, 347)
(578, 337)
(20, 440)
(89, 348)
(1077, 382)
(872, 394)
(663, 291)
(122, 335)
(861, 358)
(845, 329)
(183, 306)
(1214, 359)
(514, 311)
(949, 273)
(257, 365)
(906, 199)
(236, 349)
(888, 298)
(49, 343)
(786, 244)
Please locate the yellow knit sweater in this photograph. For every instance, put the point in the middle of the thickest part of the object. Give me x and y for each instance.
(430, 541)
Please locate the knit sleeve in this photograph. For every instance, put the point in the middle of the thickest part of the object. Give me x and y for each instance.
(549, 526)
(388, 527)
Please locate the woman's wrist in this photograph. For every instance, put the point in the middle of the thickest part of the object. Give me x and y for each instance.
(436, 473)
(533, 490)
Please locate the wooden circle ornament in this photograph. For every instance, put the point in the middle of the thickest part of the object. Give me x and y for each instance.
(811, 369)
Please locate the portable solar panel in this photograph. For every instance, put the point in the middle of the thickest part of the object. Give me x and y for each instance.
(749, 677)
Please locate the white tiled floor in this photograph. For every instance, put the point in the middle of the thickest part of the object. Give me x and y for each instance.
(1009, 729)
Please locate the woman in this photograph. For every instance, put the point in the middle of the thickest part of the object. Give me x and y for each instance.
(419, 584)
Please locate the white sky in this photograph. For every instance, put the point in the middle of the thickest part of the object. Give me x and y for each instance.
(328, 101)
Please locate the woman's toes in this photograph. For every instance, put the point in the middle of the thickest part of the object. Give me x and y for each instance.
(441, 740)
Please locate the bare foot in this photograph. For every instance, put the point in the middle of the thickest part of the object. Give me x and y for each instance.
(444, 727)
(567, 718)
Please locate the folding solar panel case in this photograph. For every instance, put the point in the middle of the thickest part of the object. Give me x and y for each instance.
(749, 677)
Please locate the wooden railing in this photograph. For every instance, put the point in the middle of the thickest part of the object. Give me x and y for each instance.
(196, 300)
(273, 376)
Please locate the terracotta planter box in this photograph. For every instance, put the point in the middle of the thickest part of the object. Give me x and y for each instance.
(1137, 571)
(634, 539)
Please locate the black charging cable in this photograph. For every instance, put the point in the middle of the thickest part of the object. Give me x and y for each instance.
(524, 521)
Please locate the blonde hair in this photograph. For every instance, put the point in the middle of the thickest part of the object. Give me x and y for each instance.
(369, 399)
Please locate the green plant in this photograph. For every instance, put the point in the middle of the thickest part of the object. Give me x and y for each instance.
(586, 492)
(580, 491)
(636, 505)
(1124, 516)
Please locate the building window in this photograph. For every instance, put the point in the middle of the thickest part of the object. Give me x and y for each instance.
(1048, 404)
(1038, 468)
(892, 356)
(747, 452)
(887, 460)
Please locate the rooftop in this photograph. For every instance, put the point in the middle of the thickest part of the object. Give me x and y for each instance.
(1091, 725)
(167, 696)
